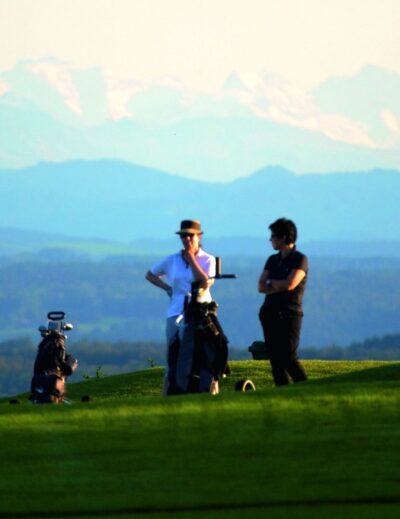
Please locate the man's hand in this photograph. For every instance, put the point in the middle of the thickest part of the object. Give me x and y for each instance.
(189, 251)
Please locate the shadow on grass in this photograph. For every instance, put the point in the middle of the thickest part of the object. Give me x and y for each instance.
(383, 374)
(244, 508)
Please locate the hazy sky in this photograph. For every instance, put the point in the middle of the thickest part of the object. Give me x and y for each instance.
(202, 41)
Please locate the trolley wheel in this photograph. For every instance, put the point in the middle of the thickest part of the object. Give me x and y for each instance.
(245, 385)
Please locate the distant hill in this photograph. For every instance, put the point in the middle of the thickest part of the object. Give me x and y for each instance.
(115, 200)
(19, 243)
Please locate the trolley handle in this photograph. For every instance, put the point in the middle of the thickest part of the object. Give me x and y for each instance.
(56, 316)
(218, 271)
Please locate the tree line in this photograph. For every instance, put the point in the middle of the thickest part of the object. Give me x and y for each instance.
(345, 301)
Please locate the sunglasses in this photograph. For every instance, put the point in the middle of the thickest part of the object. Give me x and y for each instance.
(187, 234)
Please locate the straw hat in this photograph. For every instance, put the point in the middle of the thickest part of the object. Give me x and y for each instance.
(190, 226)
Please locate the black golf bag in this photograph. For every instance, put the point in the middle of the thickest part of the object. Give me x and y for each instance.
(199, 356)
(52, 364)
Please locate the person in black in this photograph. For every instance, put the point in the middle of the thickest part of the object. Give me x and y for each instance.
(283, 280)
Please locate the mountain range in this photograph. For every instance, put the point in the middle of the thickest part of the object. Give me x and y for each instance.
(53, 112)
(115, 200)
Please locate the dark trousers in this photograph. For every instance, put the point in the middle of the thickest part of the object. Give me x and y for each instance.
(282, 335)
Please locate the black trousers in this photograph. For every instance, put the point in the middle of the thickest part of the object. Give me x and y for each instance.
(282, 335)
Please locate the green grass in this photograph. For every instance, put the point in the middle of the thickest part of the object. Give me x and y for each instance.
(325, 448)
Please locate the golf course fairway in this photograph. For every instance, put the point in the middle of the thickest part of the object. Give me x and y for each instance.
(325, 448)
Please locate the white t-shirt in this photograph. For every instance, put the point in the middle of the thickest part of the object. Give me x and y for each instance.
(180, 277)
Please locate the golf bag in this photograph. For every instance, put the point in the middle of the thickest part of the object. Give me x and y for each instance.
(52, 364)
(199, 355)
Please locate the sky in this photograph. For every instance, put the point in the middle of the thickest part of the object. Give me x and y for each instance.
(202, 41)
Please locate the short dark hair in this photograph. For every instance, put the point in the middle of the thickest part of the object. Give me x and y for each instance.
(284, 227)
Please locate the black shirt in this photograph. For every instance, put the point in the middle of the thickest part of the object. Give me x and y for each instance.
(280, 268)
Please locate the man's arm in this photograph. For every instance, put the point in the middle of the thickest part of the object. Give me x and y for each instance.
(293, 280)
(198, 273)
(264, 283)
(158, 282)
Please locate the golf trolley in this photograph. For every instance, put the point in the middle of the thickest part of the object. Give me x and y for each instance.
(200, 355)
(52, 364)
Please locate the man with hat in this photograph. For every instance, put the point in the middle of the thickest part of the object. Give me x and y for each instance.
(175, 274)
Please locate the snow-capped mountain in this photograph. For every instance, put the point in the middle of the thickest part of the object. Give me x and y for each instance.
(50, 110)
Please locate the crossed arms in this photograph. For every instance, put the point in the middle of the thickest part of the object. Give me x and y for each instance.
(272, 286)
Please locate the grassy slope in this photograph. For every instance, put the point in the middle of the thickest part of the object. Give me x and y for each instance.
(325, 448)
